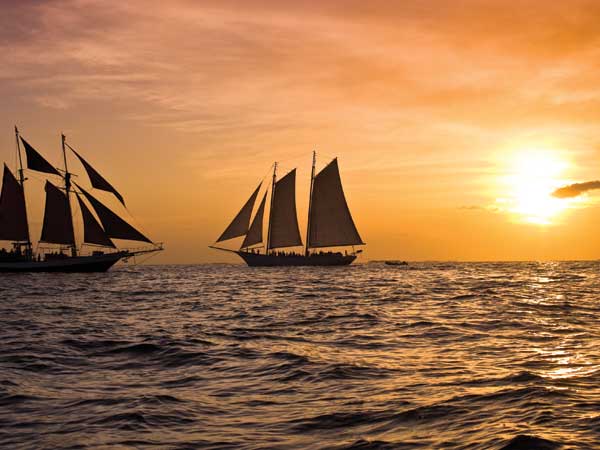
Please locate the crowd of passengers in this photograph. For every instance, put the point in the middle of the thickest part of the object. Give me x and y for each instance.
(257, 252)
(16, 254)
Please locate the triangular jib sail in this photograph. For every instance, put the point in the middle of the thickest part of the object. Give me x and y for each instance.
(255, 233)
(331, 223)
(283, 217)
(58, 225)
(35, 161)
(92, 231)
(114, 226)
(97, 180)
(13, 215)
(239, 225)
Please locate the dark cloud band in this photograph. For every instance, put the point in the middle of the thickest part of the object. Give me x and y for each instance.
(574, 190)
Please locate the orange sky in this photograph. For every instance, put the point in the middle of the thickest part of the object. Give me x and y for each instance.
(431, 107)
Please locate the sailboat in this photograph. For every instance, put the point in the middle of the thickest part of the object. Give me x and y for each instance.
(58, 226)
(330, 223)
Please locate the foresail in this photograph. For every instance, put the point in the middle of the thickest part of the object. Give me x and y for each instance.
(97, 180)
(255, 233)
(58, 224)
(114, 226)
(37, 162)
(331, 223)
(92, 231)
(239, 225)
(13, 215)
(284, 220)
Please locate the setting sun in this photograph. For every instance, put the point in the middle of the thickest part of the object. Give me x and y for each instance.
(534, 175)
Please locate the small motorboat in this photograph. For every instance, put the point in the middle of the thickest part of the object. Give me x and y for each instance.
(396, 263)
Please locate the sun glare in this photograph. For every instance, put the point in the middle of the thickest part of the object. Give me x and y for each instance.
(534, 175)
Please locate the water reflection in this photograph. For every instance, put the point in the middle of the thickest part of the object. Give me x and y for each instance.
(435, 356)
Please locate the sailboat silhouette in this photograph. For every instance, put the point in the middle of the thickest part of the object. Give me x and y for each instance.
(330, 223)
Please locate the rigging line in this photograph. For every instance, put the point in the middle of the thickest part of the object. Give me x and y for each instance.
(150, 255)
(34, 175)
(288, 168)
(292, 160)
(72, 149)
(267, 174)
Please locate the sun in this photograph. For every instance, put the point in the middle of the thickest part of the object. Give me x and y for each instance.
(534, 175)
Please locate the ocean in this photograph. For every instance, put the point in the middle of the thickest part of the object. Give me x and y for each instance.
(429, 356)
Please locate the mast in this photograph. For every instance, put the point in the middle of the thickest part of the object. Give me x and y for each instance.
(271, 208)
(68, 190)
(312, 179)
(22, 181)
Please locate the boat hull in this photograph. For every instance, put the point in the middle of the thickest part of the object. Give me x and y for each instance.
(83, 264)
(317, 259)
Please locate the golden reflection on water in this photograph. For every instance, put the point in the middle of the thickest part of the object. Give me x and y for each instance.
(442, 355)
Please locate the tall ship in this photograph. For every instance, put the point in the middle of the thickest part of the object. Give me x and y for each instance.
(330, 224)
(57, 249)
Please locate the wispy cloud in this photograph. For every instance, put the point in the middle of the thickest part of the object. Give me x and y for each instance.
(472, 64)
(419, 96)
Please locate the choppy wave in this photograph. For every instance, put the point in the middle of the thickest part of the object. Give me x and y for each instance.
(436, 355)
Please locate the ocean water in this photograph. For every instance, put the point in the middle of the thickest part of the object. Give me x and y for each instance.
(433, 356)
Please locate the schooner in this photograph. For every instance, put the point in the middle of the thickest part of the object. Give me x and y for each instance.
(58, 226)
(330, 223)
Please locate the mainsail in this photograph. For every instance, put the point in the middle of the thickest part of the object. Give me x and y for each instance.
(255, 233)
(97, 180)
(13, 215)
(331, 223)
(58, 225)
(284, 220)
(92, 231)
(114, 226)
(35, 161)
(239, 225)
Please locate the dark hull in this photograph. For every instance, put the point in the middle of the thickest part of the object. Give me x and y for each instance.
(324, 259)
(84, 264)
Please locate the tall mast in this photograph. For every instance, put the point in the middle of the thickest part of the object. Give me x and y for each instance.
(22, 181)
(312, 179)
(271, 208)
(68, 190)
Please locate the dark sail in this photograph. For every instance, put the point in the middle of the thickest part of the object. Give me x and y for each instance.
(97, 180)
(35, 161)
(284, 220)
(13, 215)
(239, 225)
(114, 226)
(58, 225)
(331, 223)
(255, 233)
(92, 231)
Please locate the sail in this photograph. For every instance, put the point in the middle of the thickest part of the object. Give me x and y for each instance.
(239, 225)
(114, 226)
(255, 233)
(92, 231)
(13, 215)
(58, 225)
(97, 180)
(35, 161)
(284, 221)
(331, 223)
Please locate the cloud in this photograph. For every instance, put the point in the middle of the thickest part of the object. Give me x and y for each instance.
(443, 77)
(212, 66)
(489, 208)
(576, 189)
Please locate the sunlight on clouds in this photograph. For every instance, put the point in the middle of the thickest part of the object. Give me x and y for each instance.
(533, 174)
(415, 97)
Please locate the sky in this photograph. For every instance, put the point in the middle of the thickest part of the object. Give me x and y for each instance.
(454, 121)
